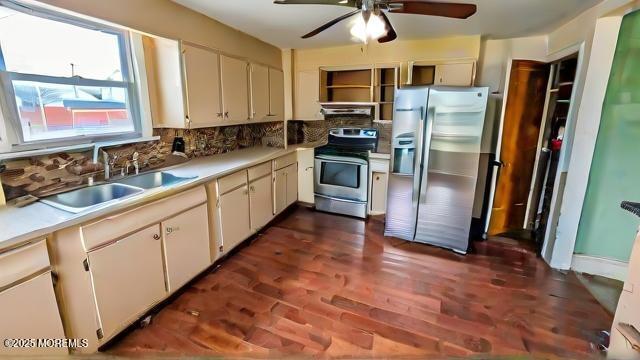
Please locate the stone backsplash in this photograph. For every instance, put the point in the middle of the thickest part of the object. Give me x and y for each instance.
(56, 173)
(299, 131)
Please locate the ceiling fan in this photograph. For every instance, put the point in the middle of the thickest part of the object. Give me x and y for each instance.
(374, 23)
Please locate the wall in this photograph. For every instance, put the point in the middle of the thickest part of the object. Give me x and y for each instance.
(57, 173)
(171, 20)
(462, 47)
(614, 172)
(598, 28)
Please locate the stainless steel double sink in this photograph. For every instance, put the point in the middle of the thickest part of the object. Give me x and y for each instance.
(93, 196)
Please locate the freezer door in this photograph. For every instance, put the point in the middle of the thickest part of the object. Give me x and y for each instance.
(453, 133)
(404, 186)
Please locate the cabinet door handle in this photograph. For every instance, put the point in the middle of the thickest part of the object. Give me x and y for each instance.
(219, 114)
(246, 191)
(226, 114)
(308, 168)
(377, 178)
(169, 230)
(253, 189)
(156, 237)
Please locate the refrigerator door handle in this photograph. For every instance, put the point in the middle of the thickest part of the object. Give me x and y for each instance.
(424, 167)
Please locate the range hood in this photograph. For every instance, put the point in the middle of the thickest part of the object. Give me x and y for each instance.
(349, 109)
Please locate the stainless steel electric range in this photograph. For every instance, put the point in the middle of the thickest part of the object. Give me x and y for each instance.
(341, 175)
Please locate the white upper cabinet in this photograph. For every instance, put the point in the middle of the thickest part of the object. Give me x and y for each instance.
(202, 81)
(307, 95)
(192, 86)
(455, 74)
(259, 92)
(276, 95)
(235, 89)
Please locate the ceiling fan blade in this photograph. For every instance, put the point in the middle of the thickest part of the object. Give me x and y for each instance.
(391, 32)
(330, 24)
(350, 3)
(423, 7)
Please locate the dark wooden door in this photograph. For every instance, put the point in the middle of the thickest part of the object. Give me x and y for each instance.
(521, 129)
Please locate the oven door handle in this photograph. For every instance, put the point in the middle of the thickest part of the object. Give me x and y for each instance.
(337, 160)
(339, 199)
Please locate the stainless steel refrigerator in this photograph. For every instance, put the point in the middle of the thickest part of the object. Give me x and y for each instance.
(435, 153)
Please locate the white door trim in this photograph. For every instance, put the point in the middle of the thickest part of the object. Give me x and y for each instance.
(585, 133)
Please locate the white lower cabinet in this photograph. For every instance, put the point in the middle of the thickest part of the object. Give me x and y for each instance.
(379, 193)
(305, 175)
(285, 182)
(292, 183)
(128, 277)
(234, 213)
(186, 246)
(260, 198)
(279, 190)
(29, 311)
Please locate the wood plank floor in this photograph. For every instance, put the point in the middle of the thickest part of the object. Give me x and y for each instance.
(321, 285)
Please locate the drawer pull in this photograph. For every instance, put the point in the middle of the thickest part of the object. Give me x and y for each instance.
(156, 237)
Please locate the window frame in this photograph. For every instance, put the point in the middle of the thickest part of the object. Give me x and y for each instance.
(8, 104)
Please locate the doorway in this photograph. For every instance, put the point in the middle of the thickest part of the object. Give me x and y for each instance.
(521, 131)
(535, 118)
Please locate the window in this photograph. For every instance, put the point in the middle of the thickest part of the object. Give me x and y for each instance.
(64, 79)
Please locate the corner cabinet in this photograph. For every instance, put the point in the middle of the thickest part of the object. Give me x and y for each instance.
(192, 86)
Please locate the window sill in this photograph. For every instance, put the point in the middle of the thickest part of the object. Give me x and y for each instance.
(72, 148)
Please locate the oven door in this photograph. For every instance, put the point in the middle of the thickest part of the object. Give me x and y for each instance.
(341, 177)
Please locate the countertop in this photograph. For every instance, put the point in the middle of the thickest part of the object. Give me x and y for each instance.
(20, 225)
(632, 207)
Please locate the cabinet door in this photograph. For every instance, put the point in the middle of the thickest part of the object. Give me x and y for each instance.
(279, 190)
(186, 246)
(292, 183)
(307, 105)
(234, 217)
(454, 74)
(235, 89)
(378, 193)
(261, 200)
(276, 95)
(29, 311)
(128, 278)
(202, 78)
(259, 92)
(305, 176)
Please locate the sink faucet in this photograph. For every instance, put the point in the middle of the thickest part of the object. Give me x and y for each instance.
(108, 162)
(136, 165)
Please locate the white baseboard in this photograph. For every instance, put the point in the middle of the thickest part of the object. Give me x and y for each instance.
(609, 268)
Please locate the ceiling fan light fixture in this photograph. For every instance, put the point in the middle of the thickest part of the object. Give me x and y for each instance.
(364, 30)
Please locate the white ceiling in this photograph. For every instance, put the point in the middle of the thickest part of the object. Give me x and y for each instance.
(282, 25)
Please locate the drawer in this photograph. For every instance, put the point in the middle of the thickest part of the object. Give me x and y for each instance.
(284, 161)
(259, 171)
(116, 226)
(379, 165)
(232, 181)
(19, 263)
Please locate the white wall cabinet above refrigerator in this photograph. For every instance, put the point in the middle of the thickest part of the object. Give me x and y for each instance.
(192, 86)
